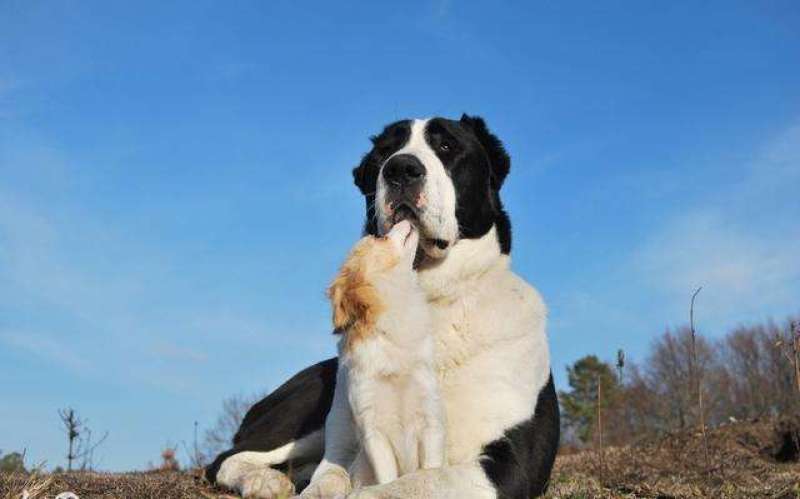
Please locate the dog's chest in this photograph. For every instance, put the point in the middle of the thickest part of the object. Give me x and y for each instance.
(453, 325)
(461, 322)
(490, 357)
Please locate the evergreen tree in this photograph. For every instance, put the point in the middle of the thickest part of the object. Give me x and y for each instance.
(579, 404)
(12, 462)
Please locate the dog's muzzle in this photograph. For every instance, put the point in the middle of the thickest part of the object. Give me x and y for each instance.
(404, 172)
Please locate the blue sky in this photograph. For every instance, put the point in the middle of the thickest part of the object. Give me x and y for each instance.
(175, 187)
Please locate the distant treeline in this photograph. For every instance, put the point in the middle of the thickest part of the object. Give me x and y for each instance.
(749, 373)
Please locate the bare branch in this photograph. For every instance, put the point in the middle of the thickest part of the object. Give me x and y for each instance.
(695, 374)
(79, 437)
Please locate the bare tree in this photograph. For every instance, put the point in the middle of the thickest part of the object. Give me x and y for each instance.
(791, 347)
(81, 444)
(196, 457)
(220, 436)
(687, 381)
(660, 393)
(754, 378)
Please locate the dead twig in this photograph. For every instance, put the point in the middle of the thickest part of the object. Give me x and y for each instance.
(695, 376)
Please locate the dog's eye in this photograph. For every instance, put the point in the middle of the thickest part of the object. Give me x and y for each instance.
(444, 147)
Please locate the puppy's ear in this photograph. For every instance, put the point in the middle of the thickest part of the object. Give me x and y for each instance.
(498, 157)
(344, 315)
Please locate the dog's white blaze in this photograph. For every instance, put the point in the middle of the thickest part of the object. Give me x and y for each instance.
(438, 217)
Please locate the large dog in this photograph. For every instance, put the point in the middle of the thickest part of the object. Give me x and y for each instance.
(491, 348)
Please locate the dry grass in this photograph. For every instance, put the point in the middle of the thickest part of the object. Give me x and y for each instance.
(35, 485)
(149, 485)
(741, 458)
(742, 465)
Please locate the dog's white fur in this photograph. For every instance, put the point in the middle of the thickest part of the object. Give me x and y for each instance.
(491, 358)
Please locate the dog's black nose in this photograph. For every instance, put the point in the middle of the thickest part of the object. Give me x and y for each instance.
(403, 170)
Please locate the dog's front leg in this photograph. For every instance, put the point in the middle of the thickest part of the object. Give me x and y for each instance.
(432, 447)
(432, 437)
(330, 479)
(381, 456)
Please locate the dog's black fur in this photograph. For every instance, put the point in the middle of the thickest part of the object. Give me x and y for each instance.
(519, 463)
(295, 409)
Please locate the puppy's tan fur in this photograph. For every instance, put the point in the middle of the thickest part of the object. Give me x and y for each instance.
(353, 294)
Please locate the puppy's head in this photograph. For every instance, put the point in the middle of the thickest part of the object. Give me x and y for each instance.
(370, 269)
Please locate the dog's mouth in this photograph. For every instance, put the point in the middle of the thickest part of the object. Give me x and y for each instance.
(404, 211)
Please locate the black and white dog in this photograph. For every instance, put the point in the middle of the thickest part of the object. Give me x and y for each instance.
(491, 348)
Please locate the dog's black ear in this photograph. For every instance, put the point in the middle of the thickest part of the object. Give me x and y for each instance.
(498, 157)
(358, 176)
(360, 171)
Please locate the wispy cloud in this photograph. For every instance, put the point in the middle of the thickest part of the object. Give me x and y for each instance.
(8, 85)
(112, 300)
(36, 260)
(46, 347)
(743, 273)
(742, 245)
(442, 8)
(171, 351)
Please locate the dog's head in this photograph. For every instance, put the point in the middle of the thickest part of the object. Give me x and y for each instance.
(442, 175)
(374, 266)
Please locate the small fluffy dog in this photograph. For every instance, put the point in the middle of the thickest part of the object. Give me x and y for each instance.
(387, 352)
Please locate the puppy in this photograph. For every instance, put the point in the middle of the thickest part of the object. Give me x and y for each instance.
(387, 351)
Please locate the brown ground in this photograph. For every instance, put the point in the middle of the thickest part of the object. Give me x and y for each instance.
(148, 485)
(757, 459)
(745, 460)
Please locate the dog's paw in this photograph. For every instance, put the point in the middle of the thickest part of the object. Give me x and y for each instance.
(373, 492)
(334, 484)
(254, 480)
(266, 483)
